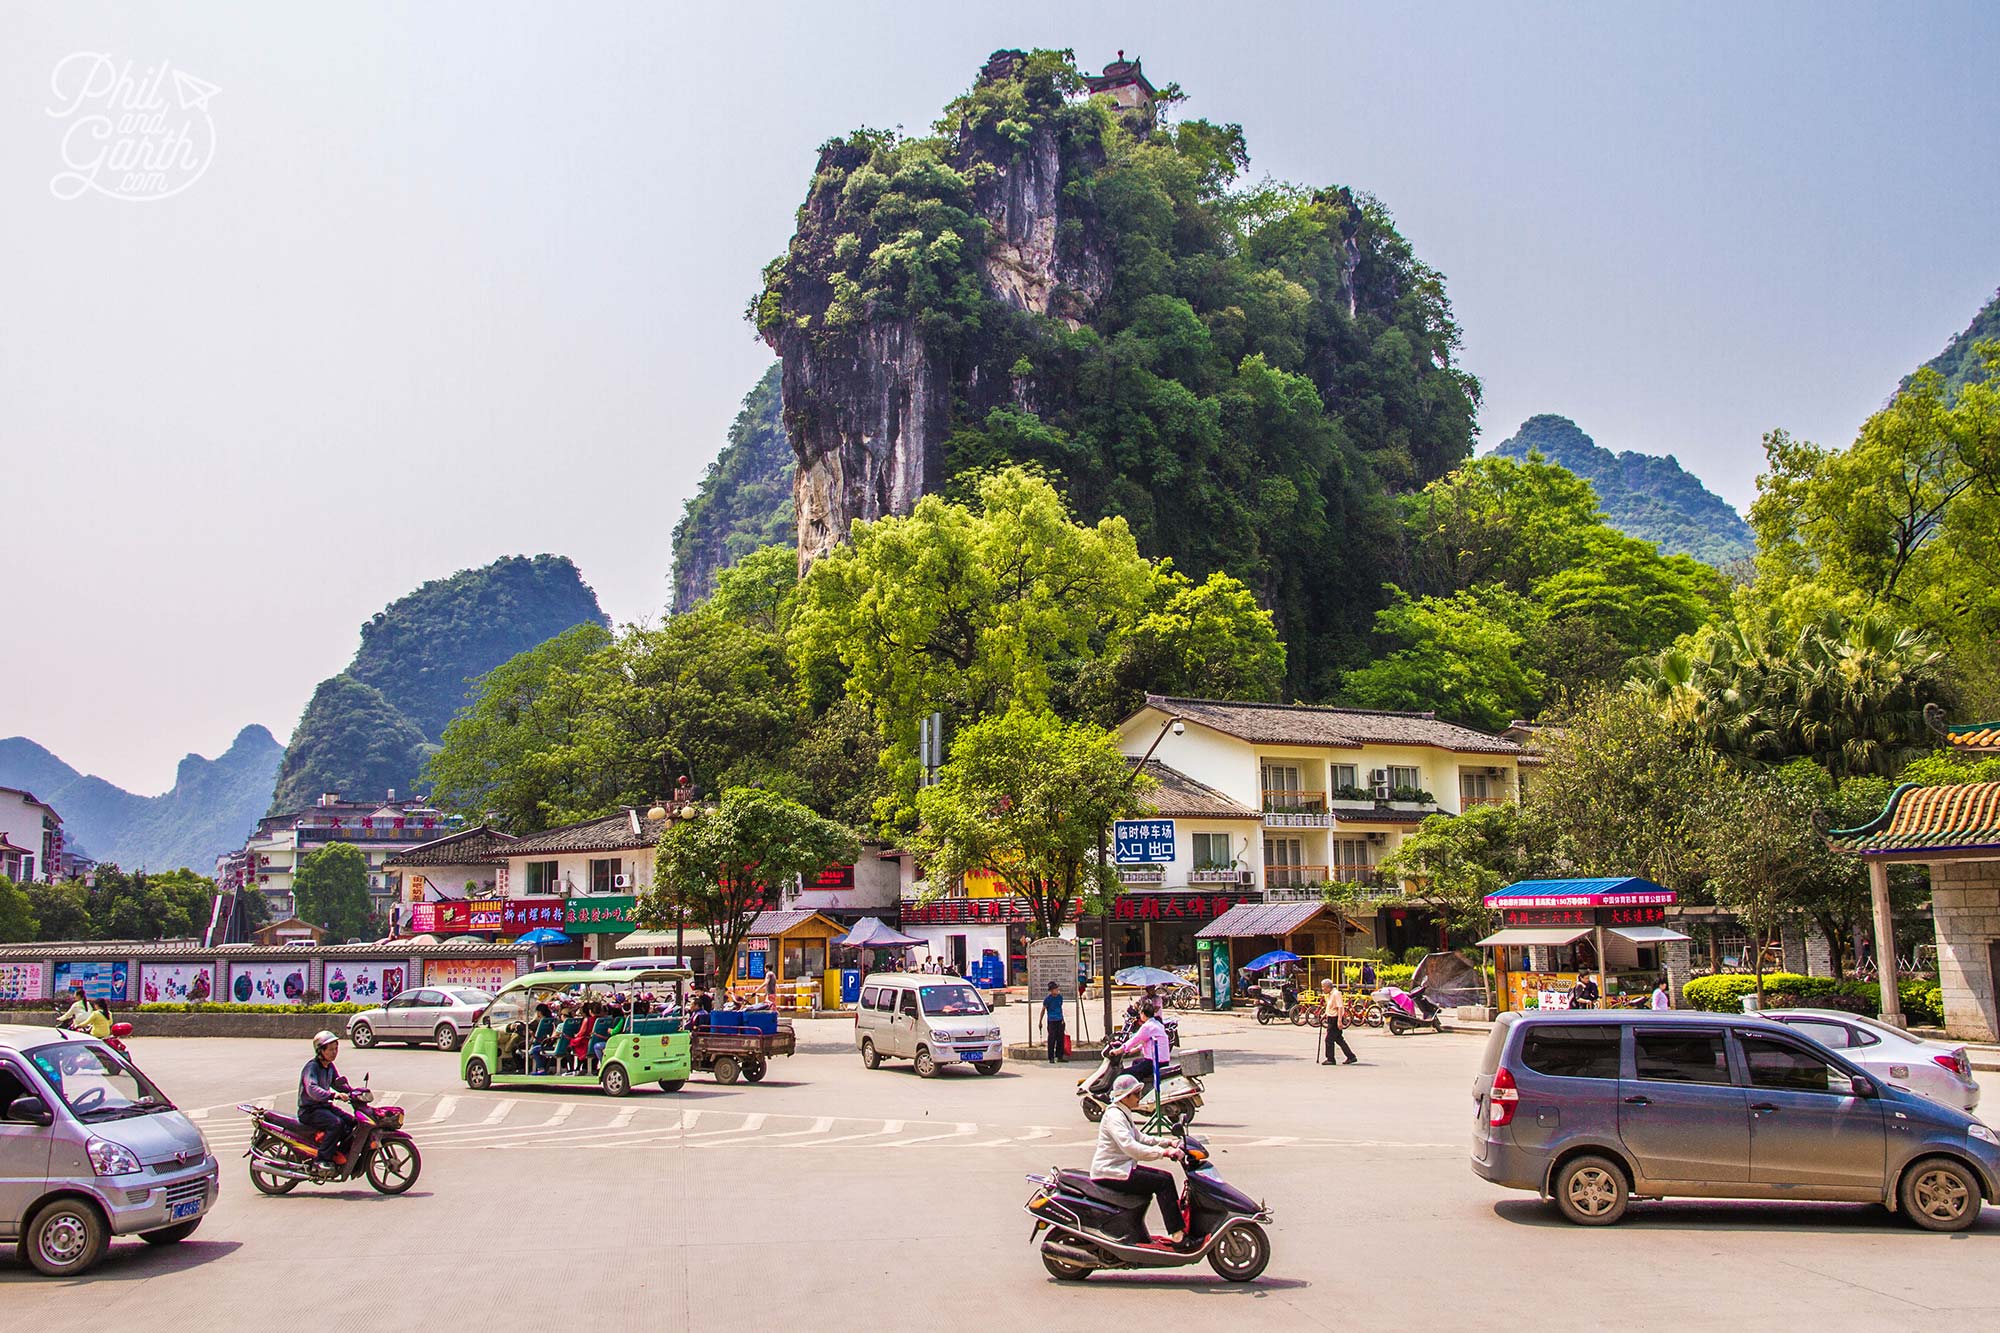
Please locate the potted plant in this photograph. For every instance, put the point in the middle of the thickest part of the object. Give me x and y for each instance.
(1411, 798)
(1351, 798)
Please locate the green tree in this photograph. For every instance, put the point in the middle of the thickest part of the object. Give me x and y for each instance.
(1761, 857)
(1463, 656)
(330, 889)
(1028, 797)
(719, 868)
(62, 910)
(350, 739)
(503, 755)
(17, 914)
(139, 905)
(1449, 864)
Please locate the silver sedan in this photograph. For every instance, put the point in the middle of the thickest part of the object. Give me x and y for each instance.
(439, 1014)
(1941, 1071)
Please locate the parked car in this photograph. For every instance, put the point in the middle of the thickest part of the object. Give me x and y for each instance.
(1941, 1071)
(929, 1020)
(440, 1014)
(1592, 1109)
(91, 1149)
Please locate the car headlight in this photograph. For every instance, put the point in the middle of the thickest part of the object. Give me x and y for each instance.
(1978, 1131)
(993, 1034)
(111, 1159)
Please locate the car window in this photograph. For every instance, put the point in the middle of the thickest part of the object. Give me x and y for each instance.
(467, 995)
(1680, 1057)
(402, 1001)
(12, 1085)
(910, 1003)
(1833, 1036)
(886, 1001)
(1786, 1067)
(868, 994)
(952, 1001)
(1569, 1050)
(96, 1082)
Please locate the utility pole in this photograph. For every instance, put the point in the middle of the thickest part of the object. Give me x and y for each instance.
(1177, 726)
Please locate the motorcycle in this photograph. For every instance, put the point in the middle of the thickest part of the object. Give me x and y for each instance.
(284, 1154)
(1179, 1094)
(1284, 1005)
(1133, 1018)
(116, 1041)
(1408, 1011)
(1093, 1226)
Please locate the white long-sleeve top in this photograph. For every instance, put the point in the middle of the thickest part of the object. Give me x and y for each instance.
(1120, 1143)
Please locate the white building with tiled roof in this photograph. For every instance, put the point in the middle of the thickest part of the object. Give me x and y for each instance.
(1283, 799)
(31, 839)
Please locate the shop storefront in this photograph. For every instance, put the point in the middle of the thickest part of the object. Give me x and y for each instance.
(1555, 932)
(1157, 927)
(984, 940)
(1253, 928)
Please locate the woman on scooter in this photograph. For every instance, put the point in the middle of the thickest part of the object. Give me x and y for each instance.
(1150, 1043)
(1122, 1146)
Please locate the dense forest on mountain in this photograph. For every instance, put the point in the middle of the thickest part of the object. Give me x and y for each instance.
(1243, 372)
(1652, 498)
(1960, 363)
(745, 500)
(372, 726)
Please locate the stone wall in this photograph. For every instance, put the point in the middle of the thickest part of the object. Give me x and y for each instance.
(1965, 901)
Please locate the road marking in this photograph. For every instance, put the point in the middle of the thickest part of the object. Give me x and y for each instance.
(443, 1110)
(199, 1113)
(623, 1118)
(562, 1113)
(499, 1113)
(960, 1130)
(819, 1126)
(722, 1137)
(1277, 1141)
(1035, 1132)
(888, 1127)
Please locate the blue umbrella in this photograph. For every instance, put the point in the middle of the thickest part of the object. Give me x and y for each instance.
(1149, 976)
(546, 935)
(1262, 961)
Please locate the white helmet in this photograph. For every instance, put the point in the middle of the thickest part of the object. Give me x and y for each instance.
(322, 1039)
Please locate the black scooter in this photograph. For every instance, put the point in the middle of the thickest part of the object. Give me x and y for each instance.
(1285, 1005)
(1092, 1226)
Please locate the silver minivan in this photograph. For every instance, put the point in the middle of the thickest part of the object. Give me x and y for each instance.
(90, 1149)
(1592, 1109)
(929, 1020)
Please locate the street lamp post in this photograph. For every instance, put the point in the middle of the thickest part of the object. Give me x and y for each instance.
(1177, 726)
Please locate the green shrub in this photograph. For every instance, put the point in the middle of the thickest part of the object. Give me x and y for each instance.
(1395, 974)
(1415, 954)
(1922, 1002)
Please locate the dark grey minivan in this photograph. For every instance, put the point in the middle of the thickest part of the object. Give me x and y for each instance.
(1592, 1109)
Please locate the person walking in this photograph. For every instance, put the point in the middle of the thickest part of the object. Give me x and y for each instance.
(1052, 1019)
(1334, 1021)
(1661, 999)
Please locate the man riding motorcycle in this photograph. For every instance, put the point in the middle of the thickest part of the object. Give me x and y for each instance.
(319, 1082)
(1122, 1146)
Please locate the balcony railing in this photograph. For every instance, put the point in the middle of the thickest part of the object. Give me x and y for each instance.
(1474, 802)
(1296, 809)
(1293, 877)
(1214, 875)
(1143, 874)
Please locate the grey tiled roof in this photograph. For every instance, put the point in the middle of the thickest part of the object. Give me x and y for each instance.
(194, 949)
(480, 846)
(628, 830)
(1315, 724)
(1181, 797)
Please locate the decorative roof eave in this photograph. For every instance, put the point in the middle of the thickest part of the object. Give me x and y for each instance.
(1951, 822)
(1966, 737)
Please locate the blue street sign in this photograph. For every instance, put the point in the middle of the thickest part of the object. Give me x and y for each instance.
(1142, 842)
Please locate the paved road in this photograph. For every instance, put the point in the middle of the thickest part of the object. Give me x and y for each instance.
(836, 1198)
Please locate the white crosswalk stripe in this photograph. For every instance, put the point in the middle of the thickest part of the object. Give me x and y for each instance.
(499, 1112)
(442, 1111)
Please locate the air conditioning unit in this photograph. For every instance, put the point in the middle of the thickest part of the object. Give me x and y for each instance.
(621, 881)
(1246, 877)
(1382, 790)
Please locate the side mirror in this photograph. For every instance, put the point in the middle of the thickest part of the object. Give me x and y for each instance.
(1859, 1085)
(30, 1110)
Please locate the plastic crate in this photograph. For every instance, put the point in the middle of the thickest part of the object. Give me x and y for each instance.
(766, 1023)
(1196, 1063)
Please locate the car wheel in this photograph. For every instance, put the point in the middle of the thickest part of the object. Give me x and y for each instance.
(672, 1084)
(1591, 1191)
(927, 1065)
(65, 1237)
(477, 1076)
(615, 1081)
(172, 1235)
(1241, 1253)
(870, 1058)
(362, 1035)
(447, 1037)
(1939, 1194)
(1062, 1270)
(988, 1067)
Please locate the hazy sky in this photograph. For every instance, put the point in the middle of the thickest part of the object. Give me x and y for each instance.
(458, 281)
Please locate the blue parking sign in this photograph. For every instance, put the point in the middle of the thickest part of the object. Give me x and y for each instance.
(1142, 842)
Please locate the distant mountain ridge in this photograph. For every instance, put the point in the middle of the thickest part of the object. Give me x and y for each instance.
(211, 806)
(1652, 498)
(1959, 362)
(372, 727)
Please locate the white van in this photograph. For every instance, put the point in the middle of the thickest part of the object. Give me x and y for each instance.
(932, 1020)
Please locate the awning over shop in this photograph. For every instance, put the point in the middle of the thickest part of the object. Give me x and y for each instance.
(1625, 891)
(1247, 919)
(1517, 937)
(656, 941)
(1646, 934)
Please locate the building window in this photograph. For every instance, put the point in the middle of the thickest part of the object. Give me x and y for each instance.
(541, 878)
(1284, 852)
(605, 873)
(1211, 851)
(1350, 851)
(1477, 788)
(1404, 777)
(1345, 776)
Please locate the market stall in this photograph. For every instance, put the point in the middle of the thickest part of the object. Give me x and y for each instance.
(1556, 931)
(783, 948)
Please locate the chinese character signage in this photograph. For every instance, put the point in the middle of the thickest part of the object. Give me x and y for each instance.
(487, 974)
(518, 916)
(453, 917)
(20, 981)
(833, 877)
(613, 914)
(1142, 842)
(423, 918)
(486, 914)
(1584, 917)
(1170, 906)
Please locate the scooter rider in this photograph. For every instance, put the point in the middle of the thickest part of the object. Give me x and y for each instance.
(1122, 1146)
(1150, 1043)
(318, 1082)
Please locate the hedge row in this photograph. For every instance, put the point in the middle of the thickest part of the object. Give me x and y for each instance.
(1922, 1001)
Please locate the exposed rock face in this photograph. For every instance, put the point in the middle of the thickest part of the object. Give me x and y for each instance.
(1024, 266)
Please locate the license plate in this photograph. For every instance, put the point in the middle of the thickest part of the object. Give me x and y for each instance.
(972, 1055)
(185, 1208)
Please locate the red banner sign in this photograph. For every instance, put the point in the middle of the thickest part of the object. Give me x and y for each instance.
(1193, 907)
(1584, 916)
(486, 914)
(833, 877)
(521, 915)
(453, 917)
